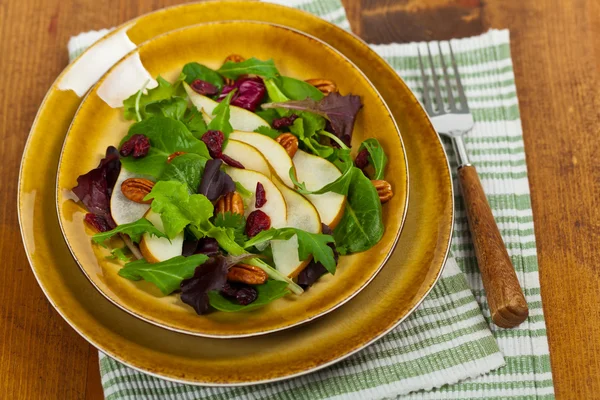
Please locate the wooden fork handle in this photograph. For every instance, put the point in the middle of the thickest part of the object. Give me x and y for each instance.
(505, 297)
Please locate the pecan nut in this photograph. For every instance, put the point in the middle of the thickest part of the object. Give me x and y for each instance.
(232, 202)
(384, 190)
(172, 156)
(135, 189)
(326, 86)
(289, 143)
(248, 274)
(236, 58)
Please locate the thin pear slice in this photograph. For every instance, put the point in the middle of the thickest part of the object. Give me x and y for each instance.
(317, 172)
(248, 156)
(302, 215)
(122, 209)
(239, 118)
(155, 249)
(275, 206)
(273, 152)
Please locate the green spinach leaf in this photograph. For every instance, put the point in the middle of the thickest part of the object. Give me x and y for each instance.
(166, 136)
(267, 292)
(194, 121)
(164, 92)
(252, 66)
(195, 71)
(186, 168)
(135, 230)
(296, 89)
(268, 131)
(361, 226)
(377, 157)
(166, 275)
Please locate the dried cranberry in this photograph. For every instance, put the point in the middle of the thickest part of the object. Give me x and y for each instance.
(362, 159)
(257, 222)
(98, 222)
(204, 88)
(284, 122)
(208, 246)
(261, 197)
(214, 142)
(250, 92)
(246, 295)
(230, 161)
(137, 146)
(229, 290)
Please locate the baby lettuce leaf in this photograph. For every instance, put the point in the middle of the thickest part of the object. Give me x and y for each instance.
(377, 157)
(235, 222)
(165, 94)
(166, 275)
(135, 230)
(220, 121)
(252, 66)
(295, 89)
(194, 121)
(308, 243)
(166, 136)
(361, 226)
(340, 110)
(186, 168)
(268, 131)
(193, 71)
(267, 292)
(177, 208)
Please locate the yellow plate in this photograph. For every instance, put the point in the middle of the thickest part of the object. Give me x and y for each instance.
(96, 126)
(410, 274)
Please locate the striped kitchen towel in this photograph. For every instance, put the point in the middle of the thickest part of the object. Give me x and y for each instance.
(448, 348)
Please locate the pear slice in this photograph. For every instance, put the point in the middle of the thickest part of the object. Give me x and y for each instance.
(239, 118)
(248, 156)
(275, 206)
(274, 153)
(122, 209)
(317, 172)
(155, 249)
(302, 215)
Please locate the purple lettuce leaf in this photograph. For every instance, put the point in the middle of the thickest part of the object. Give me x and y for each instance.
(215, 182)
(339, 110)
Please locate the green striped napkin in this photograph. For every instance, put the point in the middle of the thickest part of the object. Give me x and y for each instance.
(448, 348)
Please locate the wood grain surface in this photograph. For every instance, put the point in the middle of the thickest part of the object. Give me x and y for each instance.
(504, 295)
(556, 54)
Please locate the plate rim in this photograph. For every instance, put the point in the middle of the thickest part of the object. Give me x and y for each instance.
(356, 41)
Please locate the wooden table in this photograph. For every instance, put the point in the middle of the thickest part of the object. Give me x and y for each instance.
(556, 53)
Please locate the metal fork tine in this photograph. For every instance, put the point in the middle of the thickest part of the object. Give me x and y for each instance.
(438, 94)
(426, 97)
(447, 80)
(464, 106)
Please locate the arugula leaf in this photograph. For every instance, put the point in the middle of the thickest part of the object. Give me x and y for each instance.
(377, 157)
(186, 168)
(221, 113)
(296, 89)
(308, 243)
(194, 121)
(340, 110)
(306, 128)
(267, 292)
(252, 66)
(166, 275)
(163, 92)
(361, 226)
(341, 185)
(242, 190)
(195, 71)
(268, 131)
(135, 230)
(120, 253)
(166, 136)
(235, 222)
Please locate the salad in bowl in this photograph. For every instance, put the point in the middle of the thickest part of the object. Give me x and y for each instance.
(236, 186)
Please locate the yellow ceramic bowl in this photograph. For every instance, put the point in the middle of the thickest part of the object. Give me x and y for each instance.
(401, 285)
(97, 125)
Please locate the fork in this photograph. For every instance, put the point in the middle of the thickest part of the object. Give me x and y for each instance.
(507, 303)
